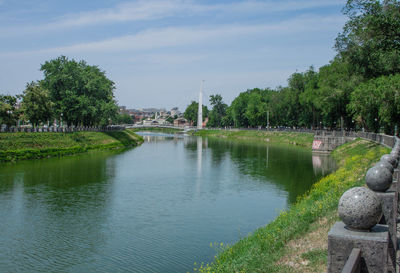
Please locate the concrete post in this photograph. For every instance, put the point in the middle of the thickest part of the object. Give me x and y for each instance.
(373, 244)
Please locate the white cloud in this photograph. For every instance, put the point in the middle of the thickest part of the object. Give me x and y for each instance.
(130, 11)
(182, 36)
(144, 10)
(148, 10)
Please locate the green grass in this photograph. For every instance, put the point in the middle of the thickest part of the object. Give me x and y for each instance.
(261, 250)
(300, 139)
(157, 129)
(20, 146)
(315, 256)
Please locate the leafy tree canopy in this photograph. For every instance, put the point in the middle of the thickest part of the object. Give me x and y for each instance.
(82, 94)
(370, 40)
(8, 110)
(218, 112)
(36, 103)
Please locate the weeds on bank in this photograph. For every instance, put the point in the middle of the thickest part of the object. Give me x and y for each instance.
(261, 251)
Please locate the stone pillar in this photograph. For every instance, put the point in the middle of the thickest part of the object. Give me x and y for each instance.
(372, 243)
(360, 210)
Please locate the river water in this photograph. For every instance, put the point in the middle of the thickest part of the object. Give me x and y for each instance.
(154, 208)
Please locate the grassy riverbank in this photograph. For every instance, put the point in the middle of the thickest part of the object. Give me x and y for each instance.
(20, 146)
(296, 241)
(300, 139)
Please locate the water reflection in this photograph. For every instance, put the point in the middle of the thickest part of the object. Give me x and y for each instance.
(160, 137)
(47, 206)
(323, 164)
(155, 208)
(291, 169)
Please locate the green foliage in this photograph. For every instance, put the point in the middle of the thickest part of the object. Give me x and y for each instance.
(370, 38)
(82, 94)
(36, 104)
(8, 111)
(333, 97)
(192, 110)
(218, 112)
(260, 251)
(251, 108)
(19, 146)
(315, 256)
(335, 84)
(377, 99)
(123, 119)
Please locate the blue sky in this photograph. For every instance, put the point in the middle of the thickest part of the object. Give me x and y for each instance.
(157, 52)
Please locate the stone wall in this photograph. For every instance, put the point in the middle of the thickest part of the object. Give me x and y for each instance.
(327, 141)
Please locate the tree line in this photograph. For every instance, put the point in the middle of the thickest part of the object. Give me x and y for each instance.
(71, 91)
(359, 88)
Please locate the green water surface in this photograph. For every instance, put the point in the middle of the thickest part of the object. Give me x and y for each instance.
(154, 208)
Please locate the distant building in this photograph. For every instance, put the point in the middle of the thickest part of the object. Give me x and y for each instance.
(162, 121)
(122, 110)
(175, 112)
(148, 122)
(181, 122)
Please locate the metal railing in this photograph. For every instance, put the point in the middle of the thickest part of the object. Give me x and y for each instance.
(64, 129)
(353, 263)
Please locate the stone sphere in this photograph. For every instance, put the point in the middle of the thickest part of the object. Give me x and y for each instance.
(360, 208)
(389, 159)
(378, 178)
(394, 154)
(385, 164)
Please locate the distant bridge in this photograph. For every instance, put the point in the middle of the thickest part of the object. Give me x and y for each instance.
(185, 129)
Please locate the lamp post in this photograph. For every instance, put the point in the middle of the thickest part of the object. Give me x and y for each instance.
(9, 113)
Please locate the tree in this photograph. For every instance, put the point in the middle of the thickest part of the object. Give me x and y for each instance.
(238, 109)
(218, 112)
(376, 103)
(123, 119)
(80, 92)
(308, 99)
(370, 40)
(336, 82)
(192, 110)
(36, 103)
(8, 110)
(257, 108)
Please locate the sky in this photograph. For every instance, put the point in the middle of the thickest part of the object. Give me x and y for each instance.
(157, 52)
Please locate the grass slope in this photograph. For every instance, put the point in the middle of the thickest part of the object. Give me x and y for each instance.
(301, 139)
(20, 146)
(263, 250)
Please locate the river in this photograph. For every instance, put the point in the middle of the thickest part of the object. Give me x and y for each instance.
(154, 208)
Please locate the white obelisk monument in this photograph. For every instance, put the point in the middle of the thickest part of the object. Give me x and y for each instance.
(200, 111)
